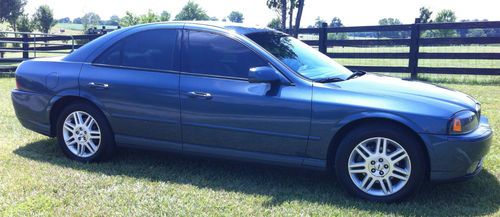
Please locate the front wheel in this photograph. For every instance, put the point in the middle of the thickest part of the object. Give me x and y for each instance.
(380, 164)
(84, 133)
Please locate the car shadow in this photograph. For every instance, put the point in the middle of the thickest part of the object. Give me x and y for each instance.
(479, 196)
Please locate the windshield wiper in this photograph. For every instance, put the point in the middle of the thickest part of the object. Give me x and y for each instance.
(329, 79)
(356, 73)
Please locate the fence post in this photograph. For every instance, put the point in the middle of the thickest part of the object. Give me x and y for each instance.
(414, 46)
(322, 38)
(26, 46)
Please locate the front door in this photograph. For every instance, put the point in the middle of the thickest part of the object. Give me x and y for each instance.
(221, 109)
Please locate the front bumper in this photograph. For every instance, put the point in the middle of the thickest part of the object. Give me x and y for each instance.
(461, 156)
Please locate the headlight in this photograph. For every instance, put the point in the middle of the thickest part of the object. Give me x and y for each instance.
(463, 122)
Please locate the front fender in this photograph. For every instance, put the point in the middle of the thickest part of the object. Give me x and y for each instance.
(323, 129)
(380, 115)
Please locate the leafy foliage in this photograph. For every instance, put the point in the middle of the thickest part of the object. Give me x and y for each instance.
(129, 19)
(113, 20)
(236, 16)
(336, 22)
(164, 16)
(90, 20)
(274, 23)
(445, 16)
(25, 24)
(319, 22)
(44, 18)
(391, 34)
(10, 10)
(425, 15)
(149, 17)
(192, 11)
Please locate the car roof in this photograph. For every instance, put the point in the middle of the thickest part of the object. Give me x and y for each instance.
(239, 28)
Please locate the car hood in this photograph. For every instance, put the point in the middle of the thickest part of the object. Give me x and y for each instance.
(408, 90)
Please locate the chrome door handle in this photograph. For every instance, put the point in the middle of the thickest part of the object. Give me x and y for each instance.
(195, 94)
(98, 85)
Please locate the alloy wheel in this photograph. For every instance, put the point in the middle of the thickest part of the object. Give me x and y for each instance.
(81, 134)
(379, 166)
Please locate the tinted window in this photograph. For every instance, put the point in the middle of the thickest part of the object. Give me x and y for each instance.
(152, 49)
(213, 54)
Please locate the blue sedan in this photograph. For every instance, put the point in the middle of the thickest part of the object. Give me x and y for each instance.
(251, 94)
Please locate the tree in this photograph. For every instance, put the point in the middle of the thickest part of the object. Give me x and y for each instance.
(336, 22)
(274, 23)
(425, 15)
(281, 7)
(77, 20)
(149, 17)
(90, 20)
(164, 16)
(300, 8)
(236, 16)
(446, 16)
(129, 19)
(389, 21)
(476, 33)
(25, 24)
(10, 10)
(113, 20)
(44, 18)
(192, 11)
(64, 20)
(390, 34)
(319, 22)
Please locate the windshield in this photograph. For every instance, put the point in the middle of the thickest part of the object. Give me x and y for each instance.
(299, 56)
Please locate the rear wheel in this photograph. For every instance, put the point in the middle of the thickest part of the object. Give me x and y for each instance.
(84, 133)
(385, 164)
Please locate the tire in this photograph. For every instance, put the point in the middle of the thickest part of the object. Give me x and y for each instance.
(81, 142)
(392, 174)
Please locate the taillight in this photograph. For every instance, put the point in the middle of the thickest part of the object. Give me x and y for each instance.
(18, 86)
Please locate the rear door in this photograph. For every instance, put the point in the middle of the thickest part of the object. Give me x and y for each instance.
(221, 109)
(136, 82)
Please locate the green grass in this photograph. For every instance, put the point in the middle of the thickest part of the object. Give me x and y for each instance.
(36, 179)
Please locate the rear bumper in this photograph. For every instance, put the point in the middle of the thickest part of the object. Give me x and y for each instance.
(31, 111)
(458, 157)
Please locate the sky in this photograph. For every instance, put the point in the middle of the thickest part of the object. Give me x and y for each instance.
(351, 12)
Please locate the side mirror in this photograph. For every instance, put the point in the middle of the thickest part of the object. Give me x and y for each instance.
(263, 74)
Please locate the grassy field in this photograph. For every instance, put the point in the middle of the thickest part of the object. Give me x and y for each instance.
(38, 180)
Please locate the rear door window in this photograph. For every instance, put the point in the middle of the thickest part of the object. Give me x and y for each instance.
(151, 49)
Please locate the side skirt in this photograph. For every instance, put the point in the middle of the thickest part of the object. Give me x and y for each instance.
(221, 153)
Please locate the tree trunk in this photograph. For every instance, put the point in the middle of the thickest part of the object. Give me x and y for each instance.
(290, 19)
(298, 17)
(283, 15)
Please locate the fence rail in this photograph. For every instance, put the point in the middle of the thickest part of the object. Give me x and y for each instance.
(29, 44)
(413, 42)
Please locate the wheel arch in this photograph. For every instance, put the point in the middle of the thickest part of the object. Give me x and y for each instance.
(59, 103)
(342, 132)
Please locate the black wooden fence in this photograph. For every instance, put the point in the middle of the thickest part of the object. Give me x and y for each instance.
(410, 36)
(414, 39)
(16, 47)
